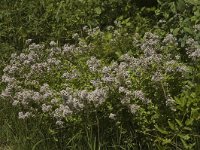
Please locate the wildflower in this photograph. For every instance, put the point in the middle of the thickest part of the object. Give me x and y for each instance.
(139, 95)
(28, 41)
(53, 61)
(93, 64)
(34, 46)
(112, 116)
(126, 100)
(197, 27)
(52, 43)
(157, 77)
(36, 96)
(59, 123)
(75, 36)
(170, 102)
(122, 89)
(195, 55)
(98, 96)
(46, 108)
(62, 111)
(44, 88)
(68, 49)
(82, 94)
(170, 39)
(54, 101)
(47, 94)
(22, 115)
(15, 103)
(134, 108)
(85, 28)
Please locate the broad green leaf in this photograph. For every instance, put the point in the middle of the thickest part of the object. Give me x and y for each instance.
(175, 31)
(188, 30)
(181, 101)
(172, 125)
(189, 121)
(184, 136)
(195, 113)
(173, 7)
(166, 141)
(180, 5)
(179, 122)
(108, 36)
(98, 10)
(187, 128)
(161, 130)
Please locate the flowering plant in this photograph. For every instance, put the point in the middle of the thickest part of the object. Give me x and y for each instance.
(138, 86)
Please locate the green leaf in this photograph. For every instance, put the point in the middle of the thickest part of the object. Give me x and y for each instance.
(172, 125)
(161, 130)
(187, 128)
(52, 132)
(186, 145)
(180, 5)
(98, 10)
(166, 141)
(108, 36)
(173, 7)
(179, 122)
(189, 121)
(175, 31)
(181, 101)
(188, 30)
(185, 137)
(195, 113)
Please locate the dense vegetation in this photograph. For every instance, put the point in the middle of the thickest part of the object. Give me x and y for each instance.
(92, 74)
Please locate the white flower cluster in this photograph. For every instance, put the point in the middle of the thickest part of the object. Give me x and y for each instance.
(193, 49)
(41, 79)
(23, 115)
(93, 64)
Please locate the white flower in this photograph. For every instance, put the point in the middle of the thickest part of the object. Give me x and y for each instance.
(122, 89)
(46, 108)
(44, 88)
(134, 108)
(98, 96)
(93, 64)
(157, 77)
(22, 115)
(112, 116)
(75, 36)
(52, 43)
(54, 101)
(139, 95)
(59, 123)
(62, 111)
(36, 96)
(28, 41)
(15, 103)
(170, 39)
